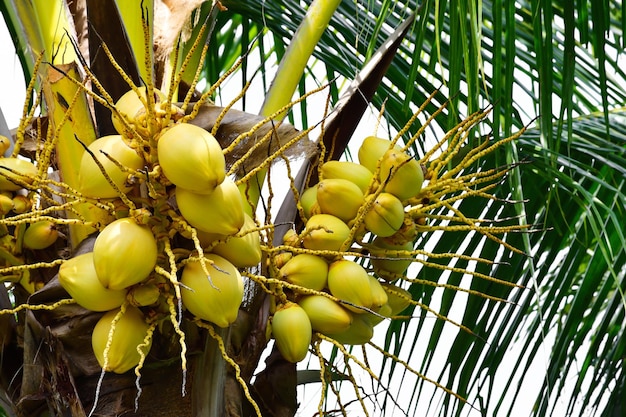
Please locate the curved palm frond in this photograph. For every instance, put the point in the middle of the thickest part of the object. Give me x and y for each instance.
(527, 59)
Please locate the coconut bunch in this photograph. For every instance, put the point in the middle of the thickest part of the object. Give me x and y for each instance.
(331, 290)
(174, 229)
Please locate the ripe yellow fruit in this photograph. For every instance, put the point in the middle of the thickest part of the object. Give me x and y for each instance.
(401, 174)
(5, 144)
(220, 212)
(291, 329)
(124, 254)
(144, 295)
(360, 331)
(78, 277)
(91, 180)
(40, 235)
(326, 315)
(351, 171)
(308, 199)
(131, 107)
(339, 197)
(6, 204)
(14, 172)
(386, 215)
(372, 150)
(325, 232)
(242, 251)
(21, 204)
(191, 158)
(383, 262)
(350, 282)
(306, 270)
(379, 296)
(217, 297)
(130, 331)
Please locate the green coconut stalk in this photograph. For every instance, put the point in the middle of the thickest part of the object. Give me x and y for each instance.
(289, 72)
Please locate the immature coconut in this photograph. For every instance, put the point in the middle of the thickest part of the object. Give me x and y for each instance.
(191, 158)
(339, 197)
(92, 182)
(130, 331)
(326, 315)
(350, 282)
(215, 297)
(325, 232)
(124, 253)
(243, 250)
(306, 270)
(221, 211)
(78, 277)
(291, 329)
(41, 234)
(14, 172)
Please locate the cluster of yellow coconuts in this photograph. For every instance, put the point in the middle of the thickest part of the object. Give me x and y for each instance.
(186, 190)
(205, 206)
(343, 298)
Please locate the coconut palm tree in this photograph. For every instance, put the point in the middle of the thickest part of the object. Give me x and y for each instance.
(505, 320)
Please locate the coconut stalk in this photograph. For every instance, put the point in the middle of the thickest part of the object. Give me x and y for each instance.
(68, 110)
(288, 76)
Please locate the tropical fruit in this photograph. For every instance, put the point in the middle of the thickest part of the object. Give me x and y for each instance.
(78, 277)
(40, 235)
(372, 150)
(220, 212)
(124, 253)
(144, 294)
(191, 158)
(14, 172)
(350, 282)
(351, 171)
(360, 331)
(92, 182)
(216, 297)
(242, 251)
(339, 197)
(308, 200)
(131, 107)
(129, 333)
(291, 329)
(383, 262)
(379, 296)
(386, 215)
(325, 232)
(306, 270)
(326, 315)
(401, 174)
